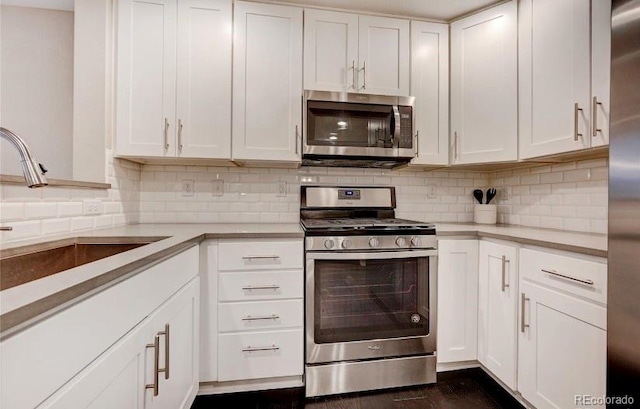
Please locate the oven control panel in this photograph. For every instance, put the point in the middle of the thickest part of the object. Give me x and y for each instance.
(368, 243)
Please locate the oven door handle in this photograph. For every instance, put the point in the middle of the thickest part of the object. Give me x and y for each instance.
(380, 255)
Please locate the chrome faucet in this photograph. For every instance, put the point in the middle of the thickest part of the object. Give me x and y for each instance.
(33, 171)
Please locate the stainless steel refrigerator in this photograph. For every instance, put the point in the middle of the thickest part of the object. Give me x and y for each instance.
(623, 301)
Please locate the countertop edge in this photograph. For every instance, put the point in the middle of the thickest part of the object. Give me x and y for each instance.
(19, 319)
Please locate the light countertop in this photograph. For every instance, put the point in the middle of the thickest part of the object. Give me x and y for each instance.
(22, 305)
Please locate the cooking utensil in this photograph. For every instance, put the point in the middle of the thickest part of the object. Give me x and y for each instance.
(478, 195)
(491, 193)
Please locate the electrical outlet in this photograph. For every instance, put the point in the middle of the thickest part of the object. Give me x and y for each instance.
(282, 189)
(92, 207)
(505, 193)
(218, 188)
(188, 188)
(432, 192)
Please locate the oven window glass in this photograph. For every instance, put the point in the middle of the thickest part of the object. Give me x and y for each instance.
(349, 124)
(370, 299)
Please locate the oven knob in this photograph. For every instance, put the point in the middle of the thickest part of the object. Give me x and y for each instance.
(401, 242)
(329, 243)
(415, 242)
(346, 243)
(373, 242)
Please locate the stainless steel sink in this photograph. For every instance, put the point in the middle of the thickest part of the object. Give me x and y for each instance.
(25, 264)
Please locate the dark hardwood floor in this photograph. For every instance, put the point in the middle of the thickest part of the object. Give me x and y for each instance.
(465, 389)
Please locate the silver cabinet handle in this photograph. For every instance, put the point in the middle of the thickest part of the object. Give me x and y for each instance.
(595, 116)
(156, 366)
(364, 75)
(523, 300)
(261, 287)
(417, 144)
(504, 273)
(576, 111)
(353, 74)
(166, 133)
(167, 358)
(555, 273)
(296, 139)
(180, 134)
(395, 134)
(6, 228)
(249, 348)
(261, 317)
(260, 257)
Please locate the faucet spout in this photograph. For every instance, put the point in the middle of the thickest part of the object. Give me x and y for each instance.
(33, 171)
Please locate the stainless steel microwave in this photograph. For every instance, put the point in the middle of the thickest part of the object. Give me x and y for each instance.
(346, 129)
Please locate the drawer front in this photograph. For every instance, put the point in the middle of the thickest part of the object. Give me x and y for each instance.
(260, 315)
(260, 255)
(260, 355)
(264, 285)
(577, 276)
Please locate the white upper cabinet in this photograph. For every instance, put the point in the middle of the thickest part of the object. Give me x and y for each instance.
(204, 79)
(146, 77)
(349, 53)
(497, 310)
(173, 78)
(556, 77)
(484, 94)
(600, 71)
(267, 82)
(430, 87)
(330, 50)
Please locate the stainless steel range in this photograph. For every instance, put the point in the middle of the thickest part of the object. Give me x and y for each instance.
(370, 292)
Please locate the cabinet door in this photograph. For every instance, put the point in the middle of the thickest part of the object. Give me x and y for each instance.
(146, 78)
(330, 50)
(600, 71)
(554, 76)
(497, 310)
(562, 348)
(430, 87)
(204, 79)
(177, 324)
(383, 52)
(115, 380)
(484, 94)
(457, 300)
(267, 82)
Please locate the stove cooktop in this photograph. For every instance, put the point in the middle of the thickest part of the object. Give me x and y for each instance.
(346, 225)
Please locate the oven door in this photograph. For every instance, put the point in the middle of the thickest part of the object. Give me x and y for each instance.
(370, 305)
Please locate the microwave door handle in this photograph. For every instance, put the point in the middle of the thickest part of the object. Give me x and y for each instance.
(395, 127)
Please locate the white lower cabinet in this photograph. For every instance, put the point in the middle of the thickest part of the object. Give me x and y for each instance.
(457, 300)
(256, 336)
(155, 365)
(497, 310)
(563, 348)
(562, 330)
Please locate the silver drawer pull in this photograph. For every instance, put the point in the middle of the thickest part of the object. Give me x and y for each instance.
(260, 257)
(261, 317)
(261, 287)
(523, 301)
(249, 348)
(555, 273)
(504, 273)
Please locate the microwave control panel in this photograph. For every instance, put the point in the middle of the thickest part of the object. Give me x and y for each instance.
(406, 127)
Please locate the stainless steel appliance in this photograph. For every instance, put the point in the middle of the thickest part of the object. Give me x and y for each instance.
(623, 303)
(370, 287)
(357, 130)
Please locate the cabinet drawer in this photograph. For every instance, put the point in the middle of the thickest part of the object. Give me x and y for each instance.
(260, 255)
(264, 285)
(581, 277)
(260, 315)
(260, 355)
